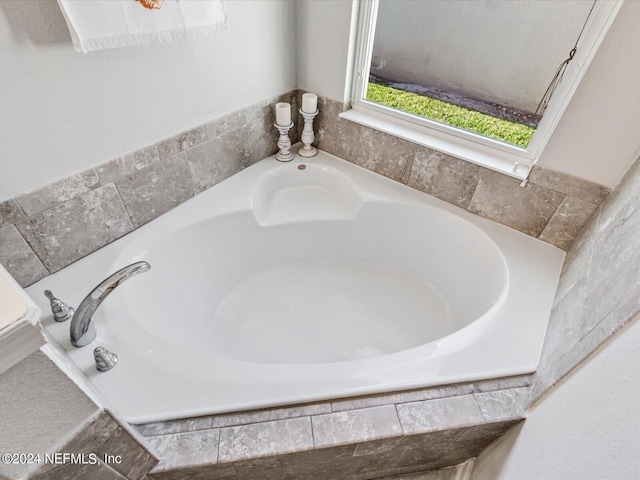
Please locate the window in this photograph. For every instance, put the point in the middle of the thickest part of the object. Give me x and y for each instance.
(406, 47)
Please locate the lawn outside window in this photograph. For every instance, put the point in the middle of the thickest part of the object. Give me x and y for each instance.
(507, 147)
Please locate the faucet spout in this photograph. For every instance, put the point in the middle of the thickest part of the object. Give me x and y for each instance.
(83, 329)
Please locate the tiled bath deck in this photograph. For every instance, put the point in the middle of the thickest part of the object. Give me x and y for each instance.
(356, 438)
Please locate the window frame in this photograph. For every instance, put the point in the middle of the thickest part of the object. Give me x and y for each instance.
(487, 152)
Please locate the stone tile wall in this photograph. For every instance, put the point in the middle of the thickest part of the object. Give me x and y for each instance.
(552, 206)
(98, 436)
(47, 229)
(111, 453)
(377, 436)
(599, 289)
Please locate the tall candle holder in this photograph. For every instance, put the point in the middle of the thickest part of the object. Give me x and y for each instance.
(284, 143)
(308, 136)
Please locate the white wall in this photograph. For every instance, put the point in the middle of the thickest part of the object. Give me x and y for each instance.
(324, 32)
(597, 138)
(62, 111)
(588, 428)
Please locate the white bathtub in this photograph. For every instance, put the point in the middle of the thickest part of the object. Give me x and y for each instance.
(285, 285)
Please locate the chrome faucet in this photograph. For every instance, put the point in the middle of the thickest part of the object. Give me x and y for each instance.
(83, 330)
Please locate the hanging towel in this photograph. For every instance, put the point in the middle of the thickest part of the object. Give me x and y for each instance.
(97, 24)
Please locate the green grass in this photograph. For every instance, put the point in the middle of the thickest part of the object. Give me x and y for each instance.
(470, 120)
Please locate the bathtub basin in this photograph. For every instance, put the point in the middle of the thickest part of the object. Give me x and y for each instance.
(297, 282)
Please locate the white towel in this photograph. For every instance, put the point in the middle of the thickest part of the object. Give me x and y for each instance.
(97, 24)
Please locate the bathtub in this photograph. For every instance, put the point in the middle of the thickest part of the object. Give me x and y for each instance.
(303, 281)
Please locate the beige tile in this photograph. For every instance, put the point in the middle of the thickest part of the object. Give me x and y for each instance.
(259, 140)
(623, 200)
(379, 152)
(123, 454)
(181, 142)
(439, 414)
(448, 178)
(503, 383)
(58, 192)
(327, 125)
(501, 198)
(10, 212)
(575, 269)
(401, 397)
(18, 258)
(243, 418)
(185, 450)
(599, 287)
(65, 233)
(565, 327)
(174, 426)
(374, 150)
(127, 164)
(226, 123)
(264, 439)
(503, 405)
(156, 189)
(568, 220)
(215, 160)
(353, 426)
(569, 185)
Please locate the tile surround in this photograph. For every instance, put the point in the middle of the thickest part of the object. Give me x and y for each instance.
(100, 435)
(157, 188)
(443, 176)
(19, 258)
(366, 424)
(550, 199)
(347, 439)
(67, 232)
(402, 454)
(47, 229)
(10, 213)
(186, 450)
(149, 181)
(599, 289)
(527, 209)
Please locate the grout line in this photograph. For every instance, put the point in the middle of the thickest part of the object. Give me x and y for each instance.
(313, 437)
(395, 406)
(126, 209)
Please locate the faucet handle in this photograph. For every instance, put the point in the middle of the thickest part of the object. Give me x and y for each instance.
(61, 311)
(105, 359)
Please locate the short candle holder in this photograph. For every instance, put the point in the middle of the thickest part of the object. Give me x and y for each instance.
(284, 143)
(308, 136)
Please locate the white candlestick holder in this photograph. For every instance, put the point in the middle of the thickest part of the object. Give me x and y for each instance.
(308, 136)
(284, 143)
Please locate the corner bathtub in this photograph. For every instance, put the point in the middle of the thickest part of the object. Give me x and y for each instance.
(304, 281)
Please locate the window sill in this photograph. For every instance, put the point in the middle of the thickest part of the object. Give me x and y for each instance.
(508, 163)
